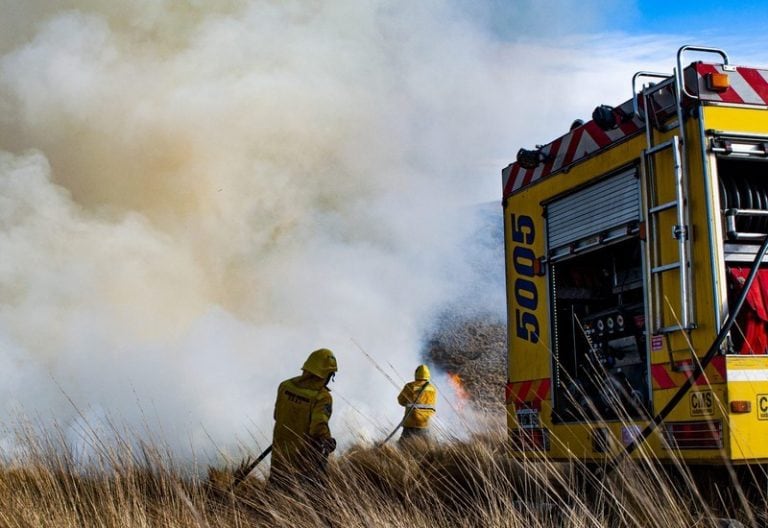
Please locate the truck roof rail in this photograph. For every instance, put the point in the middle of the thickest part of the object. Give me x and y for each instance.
(681, 89)
(646, 74)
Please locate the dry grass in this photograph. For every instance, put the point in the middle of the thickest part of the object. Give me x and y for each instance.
(473, 483)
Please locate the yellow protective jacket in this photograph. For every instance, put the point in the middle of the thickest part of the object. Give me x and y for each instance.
(422, 409)
(302, 410)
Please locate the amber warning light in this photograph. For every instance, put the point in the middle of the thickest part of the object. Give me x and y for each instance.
(741, 407)
(717, 82)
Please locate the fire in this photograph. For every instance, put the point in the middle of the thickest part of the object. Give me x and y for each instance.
(458, 388)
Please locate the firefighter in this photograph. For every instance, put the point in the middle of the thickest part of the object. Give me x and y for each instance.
(418, 397)
(302, 441)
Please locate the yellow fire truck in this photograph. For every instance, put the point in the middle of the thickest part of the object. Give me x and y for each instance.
(637, 306)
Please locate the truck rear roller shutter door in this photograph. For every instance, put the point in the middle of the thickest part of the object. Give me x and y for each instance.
(595, 215)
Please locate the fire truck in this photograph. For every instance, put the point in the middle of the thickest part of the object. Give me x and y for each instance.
(637, 296)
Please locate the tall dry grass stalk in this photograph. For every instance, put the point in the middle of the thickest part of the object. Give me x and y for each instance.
(470, 483)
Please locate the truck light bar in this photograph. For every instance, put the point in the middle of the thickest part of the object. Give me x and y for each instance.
(694, 435)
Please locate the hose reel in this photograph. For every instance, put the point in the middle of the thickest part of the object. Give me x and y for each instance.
(744, 199)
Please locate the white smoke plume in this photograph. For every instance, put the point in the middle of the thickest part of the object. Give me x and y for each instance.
(195, 195)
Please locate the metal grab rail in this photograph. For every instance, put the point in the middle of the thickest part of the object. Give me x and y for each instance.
(650, 75)
(681, 89)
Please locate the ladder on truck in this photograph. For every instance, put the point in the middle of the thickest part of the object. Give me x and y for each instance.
(662, 111)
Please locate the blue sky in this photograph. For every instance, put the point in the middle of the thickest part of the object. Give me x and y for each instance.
(706, 22)
(589, 49)
(706, 17)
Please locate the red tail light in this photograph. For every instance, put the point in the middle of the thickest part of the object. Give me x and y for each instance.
(695, 435)
(534, 439)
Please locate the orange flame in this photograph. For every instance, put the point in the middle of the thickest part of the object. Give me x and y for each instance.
(458, 388)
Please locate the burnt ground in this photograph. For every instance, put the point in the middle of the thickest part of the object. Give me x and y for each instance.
(468, 336)
(474, 347)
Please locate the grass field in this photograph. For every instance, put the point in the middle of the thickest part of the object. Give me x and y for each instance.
(468, 483)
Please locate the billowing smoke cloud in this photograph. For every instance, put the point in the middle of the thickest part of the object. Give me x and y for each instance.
(193, 197)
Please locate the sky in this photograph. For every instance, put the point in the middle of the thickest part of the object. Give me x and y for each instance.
(195, 195)
(603, 42)
(706, 19)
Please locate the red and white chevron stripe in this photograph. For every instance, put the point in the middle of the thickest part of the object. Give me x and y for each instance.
(528, 393)
(664, 377)
(748, 86)
(576, 144)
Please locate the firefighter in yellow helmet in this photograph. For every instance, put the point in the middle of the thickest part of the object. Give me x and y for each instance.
(302, 441)
(419, 398)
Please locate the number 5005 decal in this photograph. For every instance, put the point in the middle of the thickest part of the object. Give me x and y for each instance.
(526, 295)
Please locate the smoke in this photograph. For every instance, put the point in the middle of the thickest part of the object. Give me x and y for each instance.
(194, 196)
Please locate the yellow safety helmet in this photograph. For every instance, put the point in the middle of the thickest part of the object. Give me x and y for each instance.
(422, 372)
(321, 363)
